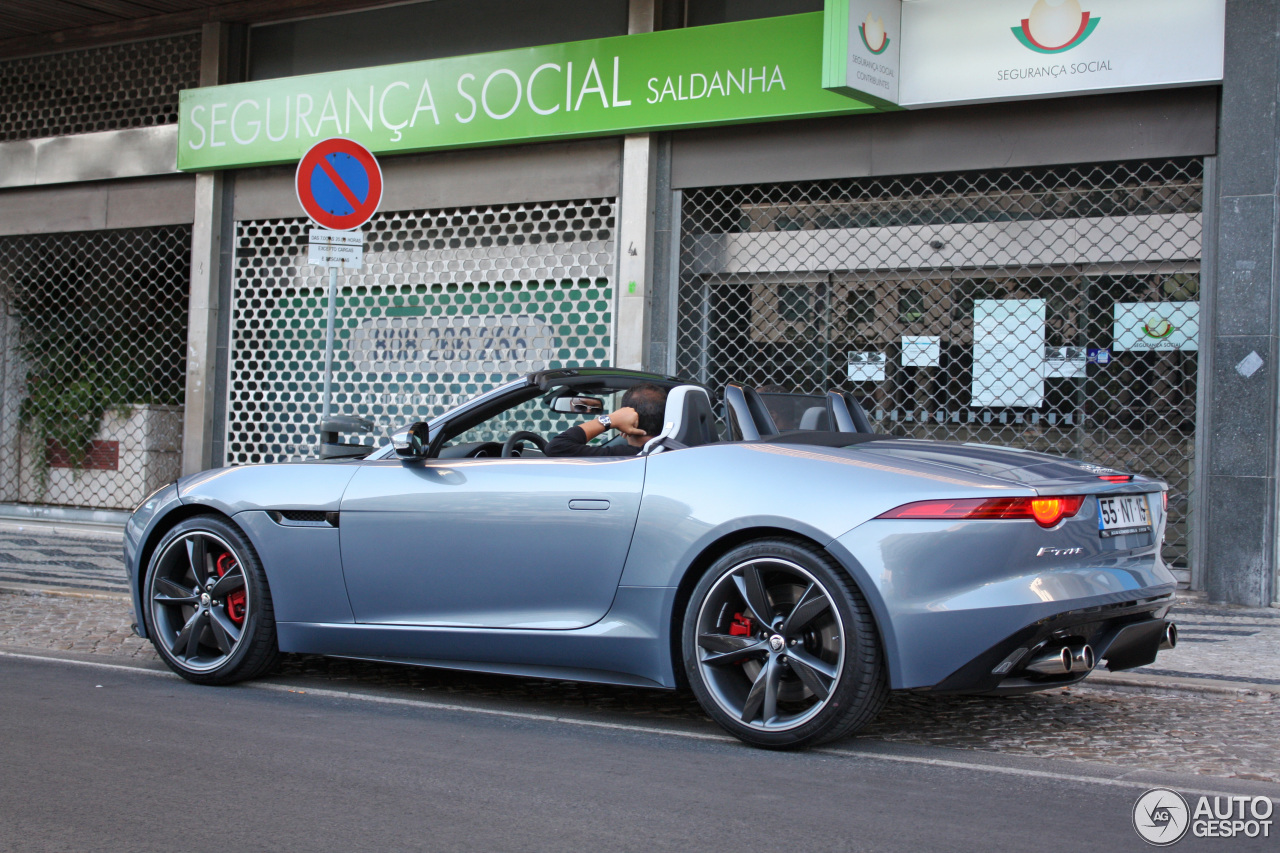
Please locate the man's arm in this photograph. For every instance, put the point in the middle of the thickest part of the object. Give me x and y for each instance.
(573, 441)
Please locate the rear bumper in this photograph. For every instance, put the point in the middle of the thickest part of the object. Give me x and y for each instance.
(1122, 636)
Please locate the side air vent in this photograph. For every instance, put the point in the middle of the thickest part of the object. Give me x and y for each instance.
(303, 518)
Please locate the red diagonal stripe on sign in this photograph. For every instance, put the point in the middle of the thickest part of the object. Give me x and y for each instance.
(339, 183)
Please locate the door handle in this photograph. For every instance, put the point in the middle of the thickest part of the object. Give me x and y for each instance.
(583, 503)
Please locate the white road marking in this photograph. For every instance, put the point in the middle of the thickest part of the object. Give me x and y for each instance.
(93, 663)
(627, 727)
(1015, 771)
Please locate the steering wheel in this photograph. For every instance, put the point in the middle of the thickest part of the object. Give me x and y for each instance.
(514, 444)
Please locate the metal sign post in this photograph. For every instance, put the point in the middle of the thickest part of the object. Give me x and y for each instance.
(333, 249)
(339, 185)
(330, 319)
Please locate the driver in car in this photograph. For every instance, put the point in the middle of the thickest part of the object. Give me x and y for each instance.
(639, 418)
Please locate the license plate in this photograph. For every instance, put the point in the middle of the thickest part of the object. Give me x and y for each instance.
(1123, 514)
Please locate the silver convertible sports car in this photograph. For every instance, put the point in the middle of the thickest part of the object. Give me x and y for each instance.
(790, 578)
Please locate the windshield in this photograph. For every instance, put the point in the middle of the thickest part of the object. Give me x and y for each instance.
(534, 416)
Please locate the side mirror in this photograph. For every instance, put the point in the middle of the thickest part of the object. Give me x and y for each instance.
(412, 442)
(578, 405)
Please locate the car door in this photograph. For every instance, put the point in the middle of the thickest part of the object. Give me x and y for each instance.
(495, 543)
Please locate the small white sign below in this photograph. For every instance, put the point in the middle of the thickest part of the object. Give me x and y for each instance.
(921, 350)
(343, 249)
(1064, 362)
(866, 366)
(1249, 365)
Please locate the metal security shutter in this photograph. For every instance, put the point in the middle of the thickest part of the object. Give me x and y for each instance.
(1053, 309)
(103, 88)
(450, 303)
(94, 364)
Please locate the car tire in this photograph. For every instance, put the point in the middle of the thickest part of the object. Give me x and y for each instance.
(207, 604)
(780, 647)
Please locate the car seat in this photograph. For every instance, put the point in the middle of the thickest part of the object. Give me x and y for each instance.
(689, 421)
(746, 415)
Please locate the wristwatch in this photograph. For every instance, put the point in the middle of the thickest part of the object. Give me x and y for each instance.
(604, 421)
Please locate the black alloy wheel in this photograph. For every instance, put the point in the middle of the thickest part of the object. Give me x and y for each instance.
(209, 611)
(780, 647)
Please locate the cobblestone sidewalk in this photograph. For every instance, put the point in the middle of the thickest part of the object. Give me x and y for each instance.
(1220, 642)
(1188, 733)
(33, 557)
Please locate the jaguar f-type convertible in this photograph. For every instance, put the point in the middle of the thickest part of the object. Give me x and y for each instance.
(790, 577)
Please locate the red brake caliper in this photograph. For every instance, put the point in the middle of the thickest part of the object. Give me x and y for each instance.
(235, 600)
(741, 626)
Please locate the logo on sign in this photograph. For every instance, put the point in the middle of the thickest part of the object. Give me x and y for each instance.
(1055, 28)
(1157, 327)
(873, 33)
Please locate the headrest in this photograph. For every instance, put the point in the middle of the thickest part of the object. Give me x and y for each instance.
(689, 420)
(814, 418)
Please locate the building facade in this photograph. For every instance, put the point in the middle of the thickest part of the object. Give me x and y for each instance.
(1083, 268)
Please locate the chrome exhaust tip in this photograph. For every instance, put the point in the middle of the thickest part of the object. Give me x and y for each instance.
(1170, 638)
(1051, 662)
(1082, 659)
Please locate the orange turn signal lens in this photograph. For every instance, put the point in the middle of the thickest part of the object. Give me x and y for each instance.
(1046, 512)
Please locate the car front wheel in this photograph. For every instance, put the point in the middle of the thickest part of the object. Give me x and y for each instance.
(780, 647)
(208, 606)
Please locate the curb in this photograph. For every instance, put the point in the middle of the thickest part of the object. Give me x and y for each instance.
(1136, 682)
(79, 530)
(24, 589)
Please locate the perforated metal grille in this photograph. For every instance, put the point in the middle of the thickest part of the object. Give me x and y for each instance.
(449, 303)
(104, 88)
(94, 341)
(1050, 309)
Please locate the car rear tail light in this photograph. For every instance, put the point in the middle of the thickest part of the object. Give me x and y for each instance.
(1045, 512)
(1116, 478)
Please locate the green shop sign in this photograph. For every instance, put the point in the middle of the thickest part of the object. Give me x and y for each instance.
(759, 70)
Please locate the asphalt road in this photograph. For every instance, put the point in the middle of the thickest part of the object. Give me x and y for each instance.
(107, 758)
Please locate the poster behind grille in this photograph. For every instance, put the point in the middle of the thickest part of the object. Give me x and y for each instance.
(1008, 352)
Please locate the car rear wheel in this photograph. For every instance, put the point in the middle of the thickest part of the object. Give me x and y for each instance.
(209, 609)
(780, 647)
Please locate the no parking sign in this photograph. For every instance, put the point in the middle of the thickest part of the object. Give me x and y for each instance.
(339, 184)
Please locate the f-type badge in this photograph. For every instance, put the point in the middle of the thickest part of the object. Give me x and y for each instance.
(1059, 552)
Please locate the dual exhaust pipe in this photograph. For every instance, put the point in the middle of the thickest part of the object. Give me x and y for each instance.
(1075, 659)
(1063, 660)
